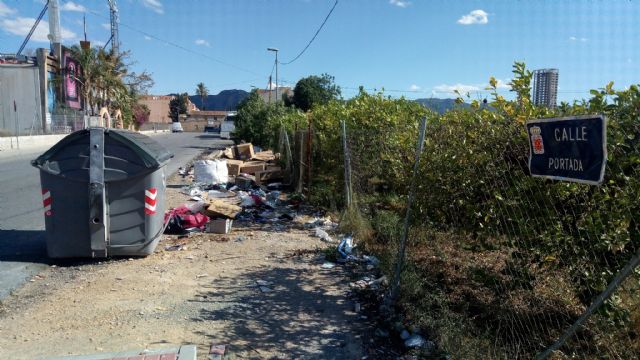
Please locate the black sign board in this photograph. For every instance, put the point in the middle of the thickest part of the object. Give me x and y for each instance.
(570, 148)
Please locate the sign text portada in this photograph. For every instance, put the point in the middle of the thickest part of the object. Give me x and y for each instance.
(569, 148)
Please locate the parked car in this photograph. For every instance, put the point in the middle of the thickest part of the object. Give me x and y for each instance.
(211, 129)
(176, 127)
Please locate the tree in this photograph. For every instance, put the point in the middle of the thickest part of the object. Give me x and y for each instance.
(314, 90)
(203, 92)
(260, 123)
(177, 106)
(141, 114)
(106, 80)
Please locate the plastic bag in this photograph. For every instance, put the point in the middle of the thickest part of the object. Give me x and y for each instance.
(174, 224)
(211, 171)
(346, 246)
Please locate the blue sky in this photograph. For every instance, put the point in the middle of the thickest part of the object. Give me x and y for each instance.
(415, 48)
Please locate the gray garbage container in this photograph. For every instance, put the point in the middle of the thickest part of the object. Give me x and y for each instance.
(103, 194)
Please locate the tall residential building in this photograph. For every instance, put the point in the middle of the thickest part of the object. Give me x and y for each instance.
(545, 87)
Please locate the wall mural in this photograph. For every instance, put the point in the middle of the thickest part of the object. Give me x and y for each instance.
(71, 85)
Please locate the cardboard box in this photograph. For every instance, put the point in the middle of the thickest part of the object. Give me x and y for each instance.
(219, 226)
(264, 156)
(243, 151)
(220, 208)
(252, 167)
(234, 166)
(268, 175)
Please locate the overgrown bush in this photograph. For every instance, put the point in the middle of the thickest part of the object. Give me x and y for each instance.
(474, 182)
(260, 123)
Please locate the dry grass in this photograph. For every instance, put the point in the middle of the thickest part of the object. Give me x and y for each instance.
(489, 301)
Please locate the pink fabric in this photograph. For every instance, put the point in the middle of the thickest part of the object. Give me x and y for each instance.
(189, 220)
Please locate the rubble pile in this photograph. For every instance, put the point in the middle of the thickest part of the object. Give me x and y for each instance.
(235, 184)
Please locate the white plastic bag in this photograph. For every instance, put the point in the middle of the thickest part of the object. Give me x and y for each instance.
(211, 171)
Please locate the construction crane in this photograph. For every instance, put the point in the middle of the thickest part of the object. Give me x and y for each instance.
(54, 25)
(33, 28)
(115, 41)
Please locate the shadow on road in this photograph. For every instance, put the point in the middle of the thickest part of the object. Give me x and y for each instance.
(23, 246)
(302, 314)
(209, 136)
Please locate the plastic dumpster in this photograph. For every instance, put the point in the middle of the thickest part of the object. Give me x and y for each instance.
(103, 194)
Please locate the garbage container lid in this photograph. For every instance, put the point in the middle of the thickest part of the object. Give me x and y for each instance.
(150, 154)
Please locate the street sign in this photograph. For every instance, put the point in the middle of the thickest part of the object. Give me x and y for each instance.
(569, 148)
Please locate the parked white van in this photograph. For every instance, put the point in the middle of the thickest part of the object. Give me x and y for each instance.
(176, 127)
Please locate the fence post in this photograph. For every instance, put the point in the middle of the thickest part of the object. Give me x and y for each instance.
(412, 194)
(287, 144)
(613, 285)
(309, 160)
(347, 165)
(15, 113)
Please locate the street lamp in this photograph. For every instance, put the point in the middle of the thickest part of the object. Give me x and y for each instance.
(276, 51)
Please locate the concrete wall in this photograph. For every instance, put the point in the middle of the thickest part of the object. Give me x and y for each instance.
(197, 123)
(22, 84)
(159, 106)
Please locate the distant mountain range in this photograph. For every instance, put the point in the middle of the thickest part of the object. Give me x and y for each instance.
(441, 105)
(226, 100)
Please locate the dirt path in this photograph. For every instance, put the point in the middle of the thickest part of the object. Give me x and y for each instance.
(204, 294)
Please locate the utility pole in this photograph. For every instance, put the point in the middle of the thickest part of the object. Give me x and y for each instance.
(270, 89)
(276, 51)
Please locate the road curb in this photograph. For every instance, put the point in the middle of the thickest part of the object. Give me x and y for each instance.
(184, 352)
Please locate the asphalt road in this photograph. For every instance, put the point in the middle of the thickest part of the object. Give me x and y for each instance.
(22, 244)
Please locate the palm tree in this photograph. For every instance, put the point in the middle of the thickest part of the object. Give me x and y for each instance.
(102, 75)
(203, 92)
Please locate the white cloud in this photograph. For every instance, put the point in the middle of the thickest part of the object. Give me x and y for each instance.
(462, 88)
(400, 3)
(21, 26)
(465, 88)
(147, 38)
(202, 42)
(414, 87)
(5, 10)
(573, 38)
(106, 26)
(503, 84)
(476, 17)
(71, 6)
(154, 5)
(97, 43)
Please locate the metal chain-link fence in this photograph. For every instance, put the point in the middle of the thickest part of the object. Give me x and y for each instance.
(500, 264)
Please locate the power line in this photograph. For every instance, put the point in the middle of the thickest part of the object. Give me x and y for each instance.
(314, 36)
(171, 43)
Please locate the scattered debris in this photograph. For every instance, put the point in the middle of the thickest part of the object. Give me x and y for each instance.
(346, 246)
(219, 226)
(176, 247)
(322, 235)
(328, 265)
(216, 352)
(416, 341)
(265, 289)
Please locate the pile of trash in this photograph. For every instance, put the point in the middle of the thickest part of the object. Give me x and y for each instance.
(238, 183)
